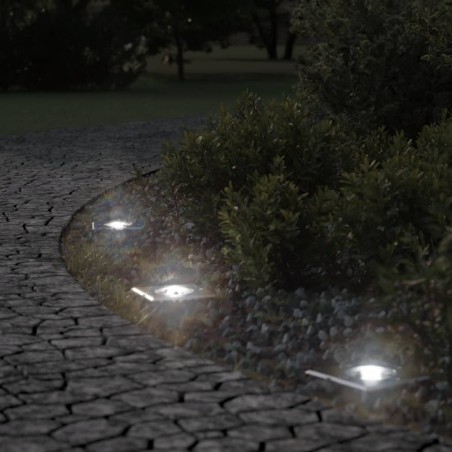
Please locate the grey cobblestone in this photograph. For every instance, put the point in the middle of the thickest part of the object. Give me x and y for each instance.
(76, 377)
(120, 444)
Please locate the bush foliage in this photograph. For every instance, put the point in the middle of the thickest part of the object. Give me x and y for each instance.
(378, 63)
(286, 188)
(263, 228)
(250, 165)
(287, 192)
(352, 177)
(246, 140)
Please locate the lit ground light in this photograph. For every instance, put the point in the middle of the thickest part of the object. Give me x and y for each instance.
(367, 377)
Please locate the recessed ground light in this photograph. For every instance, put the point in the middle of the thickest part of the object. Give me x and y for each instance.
(173, 292)
(118, 225)
(372, 374)
(367, 377)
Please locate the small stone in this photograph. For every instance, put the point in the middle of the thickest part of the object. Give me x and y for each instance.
(318, 318)
(300, 292)
(251, 329)
(289, 364)
(322, 335)
(301, 358)
(279, 348)
(432, 407)
(253, 349)
(297, 313)
(293, 344)
(340, 314)
(250, 301)
(305, 322)
(285, 338)
(264, 328)
(348, 321)
(442, 386)
(334, 331)
(347, 332)
(266, 299)
(382, 314)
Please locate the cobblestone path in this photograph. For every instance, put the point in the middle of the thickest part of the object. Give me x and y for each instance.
(76, 377)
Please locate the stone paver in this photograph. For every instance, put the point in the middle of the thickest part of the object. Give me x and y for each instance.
(76, 377)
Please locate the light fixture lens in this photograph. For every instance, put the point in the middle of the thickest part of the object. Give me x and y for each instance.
(118, 225)
(372, 374)
(174, 291)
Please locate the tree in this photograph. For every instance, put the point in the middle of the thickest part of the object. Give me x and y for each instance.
(193, 24)
(60, 46)
(378, 63)
(15, 15)
(268, 36)
(263, 26)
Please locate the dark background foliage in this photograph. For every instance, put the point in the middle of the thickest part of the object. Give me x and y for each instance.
(376, 62)
(65, 45)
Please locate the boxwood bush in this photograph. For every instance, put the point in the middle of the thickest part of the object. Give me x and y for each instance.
(246, 140)
(243, 178)
(285, 188)
(264, 229)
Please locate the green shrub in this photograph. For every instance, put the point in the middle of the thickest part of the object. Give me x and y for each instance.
(419, 284)
(422, 298)
(246, 140)
(389, 208)
(283, 192)
(383, 63)
(263, 228)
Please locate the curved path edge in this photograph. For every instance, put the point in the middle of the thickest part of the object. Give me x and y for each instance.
(76, 377)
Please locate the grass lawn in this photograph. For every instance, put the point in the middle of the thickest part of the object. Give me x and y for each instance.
(213, 79)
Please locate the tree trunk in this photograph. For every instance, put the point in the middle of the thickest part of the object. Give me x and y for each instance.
(290, 43)
(273, 42)
(179, 56)
(269, 40)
